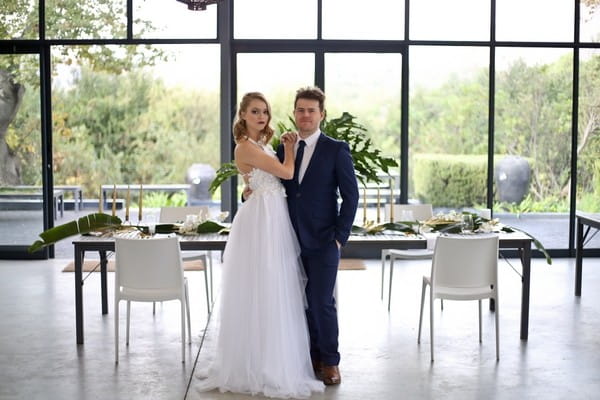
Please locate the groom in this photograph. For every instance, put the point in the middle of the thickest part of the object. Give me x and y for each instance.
(323, 172)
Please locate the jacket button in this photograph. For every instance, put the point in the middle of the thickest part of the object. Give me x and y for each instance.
(298, 195)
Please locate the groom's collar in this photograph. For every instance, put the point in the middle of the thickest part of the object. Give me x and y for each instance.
(313, 138)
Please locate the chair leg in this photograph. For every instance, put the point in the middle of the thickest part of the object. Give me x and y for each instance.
(383, 259)
(431, 322)
(187, 311)
(210, 267)
(391, 280)
(442, 304)
(479, 303)
(153, 308)
(497, 312)
(182, 301)
(421, 313)
(128, 319)
(116, 331)
(206, 286)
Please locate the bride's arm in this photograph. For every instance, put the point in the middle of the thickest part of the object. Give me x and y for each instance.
(250, 156)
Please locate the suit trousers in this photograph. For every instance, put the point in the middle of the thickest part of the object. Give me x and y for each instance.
(321, 266)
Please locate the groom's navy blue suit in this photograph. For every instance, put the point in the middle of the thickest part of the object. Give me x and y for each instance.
(319, 221)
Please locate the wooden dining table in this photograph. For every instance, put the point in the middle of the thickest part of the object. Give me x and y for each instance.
(106, 244)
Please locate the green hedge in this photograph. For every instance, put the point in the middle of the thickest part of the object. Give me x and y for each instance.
(450, 180)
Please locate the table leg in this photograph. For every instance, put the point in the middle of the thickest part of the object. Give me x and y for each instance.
(579, 258)
(103, 284)
(526, 281)
(78, 260)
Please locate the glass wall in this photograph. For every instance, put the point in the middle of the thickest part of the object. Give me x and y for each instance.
(533, 133)
(448, 129)
(21, 200)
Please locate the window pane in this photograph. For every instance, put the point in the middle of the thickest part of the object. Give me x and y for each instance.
(356, 19)
(100, 19)
(368, 86)
(275, 19)
(141, 124)
(534, 20)
(588, 163)
(448, 126)
(19, 19)
(277, 76)
(450, 20)
(168, 19)
(533, 136)
(21, 215)
(589, 30)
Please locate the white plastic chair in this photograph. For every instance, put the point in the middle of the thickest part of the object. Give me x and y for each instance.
(178, 214)
(420, 212)
(150, 270)
(463, 268)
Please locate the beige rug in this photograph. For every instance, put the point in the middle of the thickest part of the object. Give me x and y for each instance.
(198, 265)
(94, 265)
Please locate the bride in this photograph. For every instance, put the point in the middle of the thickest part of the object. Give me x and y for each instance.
(263, 343)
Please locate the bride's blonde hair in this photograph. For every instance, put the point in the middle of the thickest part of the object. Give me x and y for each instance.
(240, 132)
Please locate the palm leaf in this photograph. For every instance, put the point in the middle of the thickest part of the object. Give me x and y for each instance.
(90, 223)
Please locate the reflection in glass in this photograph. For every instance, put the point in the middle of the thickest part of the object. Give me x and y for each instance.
(450, 20)
(277, 76)
(357, 19)
(168, 19)
(275, 19)
(532, 135)
(19, 19)
(534, 20)
(21, 215)
(448, 126)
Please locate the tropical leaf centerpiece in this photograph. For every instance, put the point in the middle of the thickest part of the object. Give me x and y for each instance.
(103, 223)
(451, 222)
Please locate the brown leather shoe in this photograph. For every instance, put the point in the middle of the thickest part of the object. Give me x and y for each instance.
(330, 375)
(318, 368)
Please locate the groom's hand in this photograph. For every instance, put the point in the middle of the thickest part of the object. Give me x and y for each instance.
(246, 193)
(338, 244)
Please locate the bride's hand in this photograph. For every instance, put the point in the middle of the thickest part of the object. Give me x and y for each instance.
(289, 138)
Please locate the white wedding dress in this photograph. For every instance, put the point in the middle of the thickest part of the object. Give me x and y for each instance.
(262, 345)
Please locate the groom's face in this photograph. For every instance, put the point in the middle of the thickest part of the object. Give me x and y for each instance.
(308, 116)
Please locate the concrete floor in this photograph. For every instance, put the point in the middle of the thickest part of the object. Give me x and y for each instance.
(380, 356)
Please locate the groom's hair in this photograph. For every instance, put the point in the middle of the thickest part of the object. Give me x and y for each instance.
(311, 93)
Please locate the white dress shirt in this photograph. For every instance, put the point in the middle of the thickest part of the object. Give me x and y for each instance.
(309, 149)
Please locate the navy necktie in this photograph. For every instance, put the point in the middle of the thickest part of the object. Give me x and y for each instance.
(298, 161)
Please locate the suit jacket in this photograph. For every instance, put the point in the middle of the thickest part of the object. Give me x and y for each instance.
(313, 205)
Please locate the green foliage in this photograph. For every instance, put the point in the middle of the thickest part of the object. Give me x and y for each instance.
(368, 161)
(532, 205)
(224, 172)
(450, 180)
(163, 199)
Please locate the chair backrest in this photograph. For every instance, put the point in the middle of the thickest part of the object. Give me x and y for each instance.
(465, 261)
(148, 263)
(178, 214)
(421, 212)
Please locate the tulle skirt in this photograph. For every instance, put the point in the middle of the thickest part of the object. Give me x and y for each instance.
(262, 344)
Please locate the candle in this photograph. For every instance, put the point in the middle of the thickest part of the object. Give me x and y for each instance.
(114, 200)
(141, 195)
(127, 205)
(378, 205)
(100, 201)
(391, 199)
(364, 205)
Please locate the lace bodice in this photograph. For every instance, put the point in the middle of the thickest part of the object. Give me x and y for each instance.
(262, 182)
